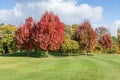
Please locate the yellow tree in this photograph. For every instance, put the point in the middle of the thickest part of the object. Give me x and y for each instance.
(74, 27)
(70, 46)
(7, 33)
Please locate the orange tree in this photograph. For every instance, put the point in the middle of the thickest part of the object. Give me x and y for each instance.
(85, 36)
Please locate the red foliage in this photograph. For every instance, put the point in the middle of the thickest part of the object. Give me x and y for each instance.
(106, 41)
(23, 35)
(49, 32)
(86, 36)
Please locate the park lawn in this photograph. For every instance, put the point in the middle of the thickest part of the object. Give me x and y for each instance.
(96, 67)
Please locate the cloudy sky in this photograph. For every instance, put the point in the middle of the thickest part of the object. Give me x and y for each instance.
(99, 12)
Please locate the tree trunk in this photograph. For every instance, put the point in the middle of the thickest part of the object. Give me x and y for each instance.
(46, 53)
(85, 52)
(105, 51)
(69, 54)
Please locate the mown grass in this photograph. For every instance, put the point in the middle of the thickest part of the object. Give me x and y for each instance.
(97, 67)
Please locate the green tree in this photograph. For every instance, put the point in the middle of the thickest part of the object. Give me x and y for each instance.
(118, 40)
(115, 47)
(1, 24)
(67, 29)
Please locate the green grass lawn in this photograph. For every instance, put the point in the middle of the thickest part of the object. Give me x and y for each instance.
(97, 67)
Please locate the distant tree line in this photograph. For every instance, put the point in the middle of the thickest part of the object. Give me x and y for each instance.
(50, 34)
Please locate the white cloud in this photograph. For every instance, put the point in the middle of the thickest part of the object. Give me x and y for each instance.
(115, 27)
(68, 11)
(99, 25)
(117, 23)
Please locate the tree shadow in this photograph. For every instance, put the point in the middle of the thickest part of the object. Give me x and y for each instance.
(40, 54)
(60, 54)
(57, 54)
(23, 54)
(89, 54)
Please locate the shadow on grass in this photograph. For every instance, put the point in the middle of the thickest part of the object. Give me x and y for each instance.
(23, 54)
(40, 54)
(32, 54)
(57, 54)
(89, 54)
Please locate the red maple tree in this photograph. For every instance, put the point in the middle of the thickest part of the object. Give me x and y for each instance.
(86, 36)
(23, 37)
(106, 42)
(49, 32)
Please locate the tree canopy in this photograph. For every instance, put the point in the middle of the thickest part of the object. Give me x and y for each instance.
(85, 36)
(47, 34)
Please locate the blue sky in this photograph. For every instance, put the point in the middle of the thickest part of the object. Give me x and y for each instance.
(111, 9)
(99, 12)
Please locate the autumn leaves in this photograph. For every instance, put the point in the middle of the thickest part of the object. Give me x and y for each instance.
(48, 35)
